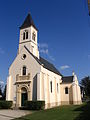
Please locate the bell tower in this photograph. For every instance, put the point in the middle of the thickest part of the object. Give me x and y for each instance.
(28, 36)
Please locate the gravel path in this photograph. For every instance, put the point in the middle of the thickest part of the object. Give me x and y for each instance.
(11, 114)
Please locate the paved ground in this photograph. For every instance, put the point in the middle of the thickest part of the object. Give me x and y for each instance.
(11, 114)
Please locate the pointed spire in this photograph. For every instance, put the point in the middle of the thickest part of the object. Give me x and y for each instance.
(73, 73)
(28, 22)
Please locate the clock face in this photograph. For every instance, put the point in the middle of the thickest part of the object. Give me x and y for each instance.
(23, 56)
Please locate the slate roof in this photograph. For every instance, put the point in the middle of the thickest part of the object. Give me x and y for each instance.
(45, 63)
(67, 79)
(28, 22)
(49, 66)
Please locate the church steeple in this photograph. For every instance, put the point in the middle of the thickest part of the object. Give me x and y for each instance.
(28, 36)
(28, 22)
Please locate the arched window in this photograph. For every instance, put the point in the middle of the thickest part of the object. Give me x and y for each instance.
(33, 36)
(51, 86)
(57, 87)
(25, 35)
(24, 70)
(66, 90)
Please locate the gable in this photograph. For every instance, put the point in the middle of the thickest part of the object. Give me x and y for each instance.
(29, 61)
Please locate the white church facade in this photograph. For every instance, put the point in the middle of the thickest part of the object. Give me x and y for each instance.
(31, 77)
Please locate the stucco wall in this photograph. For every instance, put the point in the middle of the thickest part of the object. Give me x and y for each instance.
(66, 98)
(74, 94)
(16, 68)
(51, 99)
(40, 77)
(29, 43)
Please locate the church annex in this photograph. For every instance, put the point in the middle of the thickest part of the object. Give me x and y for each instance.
(31, 77)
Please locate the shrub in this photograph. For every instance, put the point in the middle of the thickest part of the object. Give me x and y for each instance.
(5, 104)
(34, 105)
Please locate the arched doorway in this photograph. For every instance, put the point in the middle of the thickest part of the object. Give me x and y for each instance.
(24, 96)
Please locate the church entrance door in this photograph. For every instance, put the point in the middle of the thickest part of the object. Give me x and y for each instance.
(23, 96)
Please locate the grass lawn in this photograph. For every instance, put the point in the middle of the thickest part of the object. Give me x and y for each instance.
(71, 112)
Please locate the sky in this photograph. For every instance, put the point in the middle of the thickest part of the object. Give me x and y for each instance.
(63, 36)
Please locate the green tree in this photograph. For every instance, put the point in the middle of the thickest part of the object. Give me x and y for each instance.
(1, 93)
(4, 93)
(85, 82)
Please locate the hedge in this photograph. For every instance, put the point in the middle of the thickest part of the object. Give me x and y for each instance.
(34, 105)
(5, 104)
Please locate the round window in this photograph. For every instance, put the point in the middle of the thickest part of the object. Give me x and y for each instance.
(23, 56)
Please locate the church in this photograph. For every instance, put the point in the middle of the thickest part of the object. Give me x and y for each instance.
(33, 78)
